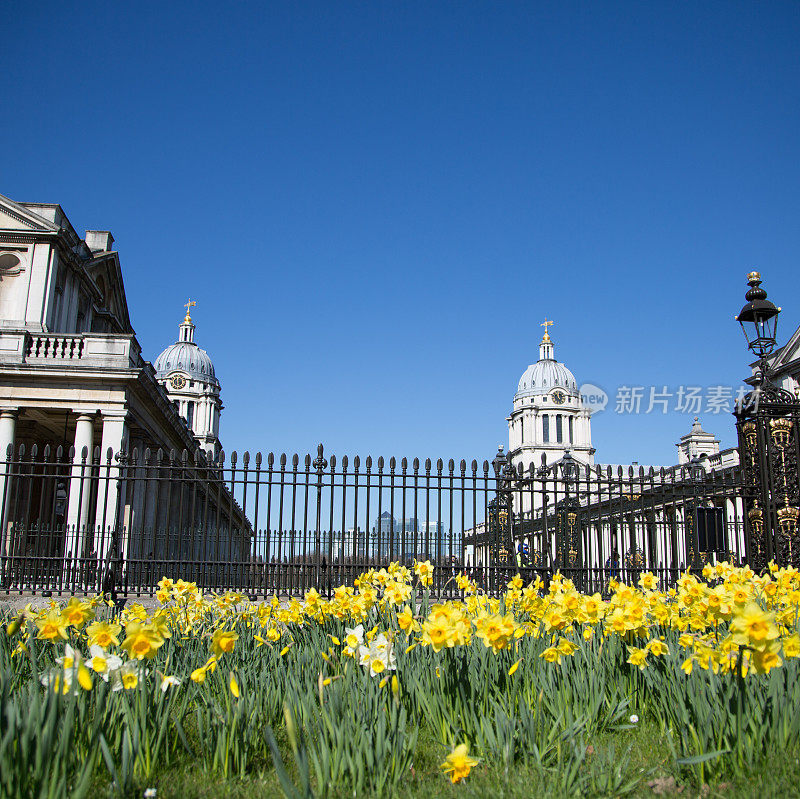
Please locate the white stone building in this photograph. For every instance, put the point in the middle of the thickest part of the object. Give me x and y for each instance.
(187, 374)
(550, 420)
(784, 365)
(549, 416)
(72, 375)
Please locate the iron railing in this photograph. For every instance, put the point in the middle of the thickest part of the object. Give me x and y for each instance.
(262, 525)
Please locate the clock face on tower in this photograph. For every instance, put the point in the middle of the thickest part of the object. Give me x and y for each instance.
(558, 397)
(177, 382)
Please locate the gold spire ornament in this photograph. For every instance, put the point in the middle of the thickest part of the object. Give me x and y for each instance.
(545, 325)
(188, 305)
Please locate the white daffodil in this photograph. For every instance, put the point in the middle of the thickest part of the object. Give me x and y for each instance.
(101, 662)
(379, 656)
(60, 680)
(167, 681)
(128, 676)
(354, 638)
(70, 660)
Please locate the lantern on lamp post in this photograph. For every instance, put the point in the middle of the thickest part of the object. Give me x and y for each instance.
(768, 423)
(759, 319)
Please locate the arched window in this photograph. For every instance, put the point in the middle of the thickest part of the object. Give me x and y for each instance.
(546, 428)
(559, 428)
(10, 267)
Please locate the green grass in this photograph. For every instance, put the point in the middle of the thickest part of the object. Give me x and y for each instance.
(646, 766)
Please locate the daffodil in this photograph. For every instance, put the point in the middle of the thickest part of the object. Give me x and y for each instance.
(657, 647)
(458, 764)
(101, 662)
(141, 640)
(637, 657)
(424, 571)
(754, 627)
(128, 676)
(223, 641)
(52, 625)
(76, 613)
(103, 633)
(551, 655)
(169, 681)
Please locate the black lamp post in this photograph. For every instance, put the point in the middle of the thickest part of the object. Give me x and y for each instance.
(759, 321)
(697, 471)
(569, 468)
(768, 425)
(499, 462)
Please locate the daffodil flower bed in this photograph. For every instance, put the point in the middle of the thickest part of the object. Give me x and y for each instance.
(332, 696)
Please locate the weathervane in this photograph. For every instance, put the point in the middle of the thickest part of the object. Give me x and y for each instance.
(188, 305)
(546, 324)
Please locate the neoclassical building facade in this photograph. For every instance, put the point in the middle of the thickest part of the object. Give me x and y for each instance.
(187, 374)
(73, 378)
(629, 509)
(548, 417)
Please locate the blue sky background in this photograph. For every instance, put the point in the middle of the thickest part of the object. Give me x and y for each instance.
(376, 204)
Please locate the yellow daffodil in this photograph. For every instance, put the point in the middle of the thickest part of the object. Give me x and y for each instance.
(103, 633)
(458, 764)
(223, 642)
(52, 625)
(141, 641)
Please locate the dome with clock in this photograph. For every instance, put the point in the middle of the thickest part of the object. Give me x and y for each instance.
(187, 373)
(187, 357)
(546, 374)
(548, 417)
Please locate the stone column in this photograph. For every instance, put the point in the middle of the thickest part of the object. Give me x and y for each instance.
(115, 434)
(587, 428)
(80, 482)
(8, 430)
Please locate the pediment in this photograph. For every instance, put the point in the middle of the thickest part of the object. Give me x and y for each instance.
(789, 352)
(16, 217)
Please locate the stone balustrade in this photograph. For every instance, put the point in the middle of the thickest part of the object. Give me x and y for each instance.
(59, 350)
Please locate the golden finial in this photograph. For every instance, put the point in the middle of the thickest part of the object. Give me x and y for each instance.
(188, 305)
(545, 325)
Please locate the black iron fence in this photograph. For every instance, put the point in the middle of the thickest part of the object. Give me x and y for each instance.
(768, 426)
(118, 523)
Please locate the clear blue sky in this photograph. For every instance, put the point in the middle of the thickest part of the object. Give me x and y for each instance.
(376, 204)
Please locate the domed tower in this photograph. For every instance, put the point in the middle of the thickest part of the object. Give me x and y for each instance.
(549, 416)
(187, 373)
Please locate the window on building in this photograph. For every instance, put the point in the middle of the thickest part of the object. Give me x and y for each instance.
(10, 267)
(546, 428)
(190, 413)
(570, 429)
(559, 428)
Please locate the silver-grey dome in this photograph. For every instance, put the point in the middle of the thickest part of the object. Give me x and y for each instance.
(543, 376)
(185, 356)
